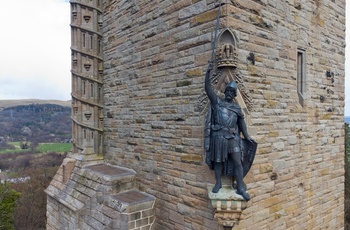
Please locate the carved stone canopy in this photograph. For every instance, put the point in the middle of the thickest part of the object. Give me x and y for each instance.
(226, 53)
(225, 70)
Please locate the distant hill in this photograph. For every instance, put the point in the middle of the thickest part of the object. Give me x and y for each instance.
(11, 103)
(35, 120)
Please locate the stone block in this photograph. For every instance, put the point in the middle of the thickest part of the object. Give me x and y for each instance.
(204, 17)
(265, 168)
(108, 173)
(147, 213)
(191, 10)
(176, 217)
(131, 201)
(191, 158)
(147, 227)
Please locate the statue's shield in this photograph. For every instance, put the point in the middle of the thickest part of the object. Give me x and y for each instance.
(248, 154)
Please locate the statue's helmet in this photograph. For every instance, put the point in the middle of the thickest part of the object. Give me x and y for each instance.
(231, 84)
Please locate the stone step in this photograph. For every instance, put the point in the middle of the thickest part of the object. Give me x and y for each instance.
(111, 190)
(132, 201)
(119, 179)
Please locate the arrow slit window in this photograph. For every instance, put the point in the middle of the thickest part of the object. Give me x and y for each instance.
(301, 75)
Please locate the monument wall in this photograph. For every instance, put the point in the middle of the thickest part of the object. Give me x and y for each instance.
(138, 160)
(155, 57)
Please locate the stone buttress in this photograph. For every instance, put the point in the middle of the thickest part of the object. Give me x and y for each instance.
(85, 192)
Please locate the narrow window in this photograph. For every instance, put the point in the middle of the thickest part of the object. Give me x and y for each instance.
(301, 76)
(84, 133)
(99, 46)
(99, 93)
(91, 42)
(84, 87)
(92, 90)
(92, 135)
(84, 42)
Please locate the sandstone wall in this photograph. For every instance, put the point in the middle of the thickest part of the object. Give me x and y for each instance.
(155, 56)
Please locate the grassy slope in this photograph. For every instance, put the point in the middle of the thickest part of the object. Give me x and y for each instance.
(42, 148)
(54, 147)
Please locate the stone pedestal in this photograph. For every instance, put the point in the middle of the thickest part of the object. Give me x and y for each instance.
(227, 204)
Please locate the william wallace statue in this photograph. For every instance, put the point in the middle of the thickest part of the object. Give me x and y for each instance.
(226, 150)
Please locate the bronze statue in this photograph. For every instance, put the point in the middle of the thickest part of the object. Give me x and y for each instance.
(227, 153)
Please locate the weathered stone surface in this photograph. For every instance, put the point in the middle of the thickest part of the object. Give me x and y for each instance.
(99, 186)
(155, 54)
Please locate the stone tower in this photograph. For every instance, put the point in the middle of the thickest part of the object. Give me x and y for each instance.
(139, 111)
(83, 180)
(87, 82)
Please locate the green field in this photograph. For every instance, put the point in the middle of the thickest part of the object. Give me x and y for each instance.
(54, 147)
(41, 148)
(17, 149)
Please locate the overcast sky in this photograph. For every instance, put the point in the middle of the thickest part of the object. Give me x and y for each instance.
(347, 63)
(35, 50)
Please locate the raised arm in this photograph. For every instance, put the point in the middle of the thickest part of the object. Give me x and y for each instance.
(208, 89)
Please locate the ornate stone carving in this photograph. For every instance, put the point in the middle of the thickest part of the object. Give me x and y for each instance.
(227, 56)
(87, 18)
(227, 204)
(224, 71)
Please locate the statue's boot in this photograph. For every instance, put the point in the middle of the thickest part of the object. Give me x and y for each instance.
(218, 174)
(244, 194)
(216, 187)
(241, 188)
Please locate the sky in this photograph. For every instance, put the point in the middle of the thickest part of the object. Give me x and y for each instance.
(35, 51)
(347, 62)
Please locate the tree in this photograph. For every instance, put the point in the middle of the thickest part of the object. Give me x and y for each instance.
(347, 176)
(30, 212)
(8, 198)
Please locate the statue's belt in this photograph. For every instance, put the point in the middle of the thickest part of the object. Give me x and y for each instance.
(223, 129)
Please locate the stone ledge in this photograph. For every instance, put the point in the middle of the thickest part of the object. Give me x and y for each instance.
(108, 173)
(228, 206)
(85, 159)
(131, 201)
(225, 193)
(137, 206)
(133, 197)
